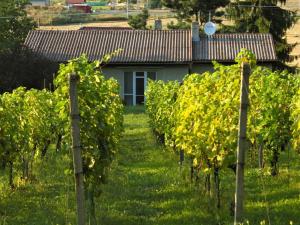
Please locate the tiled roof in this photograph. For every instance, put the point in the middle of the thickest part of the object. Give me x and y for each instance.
(75, 1)
(105, 28)
(225, 47)
(148, 46)
(139, 46)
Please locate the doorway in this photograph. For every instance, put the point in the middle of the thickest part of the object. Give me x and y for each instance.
(135, 84)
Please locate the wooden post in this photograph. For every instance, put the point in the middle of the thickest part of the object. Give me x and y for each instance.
(242, 144)
(77, 160)
(44, 83)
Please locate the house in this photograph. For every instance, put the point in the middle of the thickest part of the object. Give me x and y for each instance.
(40, 2)
(84, 8)
(155, 54)
(79, 5)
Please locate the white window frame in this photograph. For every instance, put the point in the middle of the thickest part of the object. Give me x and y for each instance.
(135, 76)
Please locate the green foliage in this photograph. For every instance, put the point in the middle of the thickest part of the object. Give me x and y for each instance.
(32, 119)
(160, 102)
(249, 17)
(154, 4)
(101, 120)
(101, 115)
(14, 23)
(146, 187)
(139, 21)
(204, 118)
(269, 119)
(246, 56)
(21, 67)
(296, 117)
(27, 123)
(179, 25)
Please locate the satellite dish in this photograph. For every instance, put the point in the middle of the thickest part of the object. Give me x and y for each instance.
(210, 28)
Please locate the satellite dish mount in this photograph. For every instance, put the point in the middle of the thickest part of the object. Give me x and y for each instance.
(210, 28)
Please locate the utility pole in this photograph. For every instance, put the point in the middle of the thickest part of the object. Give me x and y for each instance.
(77, 160)
(127, 9)
(242, 144)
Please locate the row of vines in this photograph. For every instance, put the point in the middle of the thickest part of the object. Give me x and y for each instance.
(199, 117)
(35, 121)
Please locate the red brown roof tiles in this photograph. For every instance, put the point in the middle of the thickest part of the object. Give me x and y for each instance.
(147, 46)
(139, 46)
(225, 47)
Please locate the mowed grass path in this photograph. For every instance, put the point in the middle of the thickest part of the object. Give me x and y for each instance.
(147, 187)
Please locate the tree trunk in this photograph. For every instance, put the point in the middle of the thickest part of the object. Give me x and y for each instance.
(11, 178)
(207, 183)
(45, 148)
(192, 170)
(274, 161)
(217, 186)
(261, 156)
(30, 173)
(181, 157)
(58, 143)
(25, 172)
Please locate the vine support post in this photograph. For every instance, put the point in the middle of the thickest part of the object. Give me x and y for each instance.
(242, 144)
(77, 159)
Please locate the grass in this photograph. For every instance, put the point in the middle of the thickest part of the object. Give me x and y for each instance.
(147, 187)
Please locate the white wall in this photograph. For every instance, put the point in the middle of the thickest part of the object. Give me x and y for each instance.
(164, 72)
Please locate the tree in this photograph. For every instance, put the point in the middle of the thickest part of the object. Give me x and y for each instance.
(179, 25)
(264, 16)
(18, 66)
(139, 21)
(14, 23)
(185, 9)
(21, 67)
(153, 4)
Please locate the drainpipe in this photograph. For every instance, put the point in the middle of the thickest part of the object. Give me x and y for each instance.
(195, 31)
(195, 40)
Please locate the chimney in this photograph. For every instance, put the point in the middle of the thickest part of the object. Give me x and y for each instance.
(195, 31)
(157, 24)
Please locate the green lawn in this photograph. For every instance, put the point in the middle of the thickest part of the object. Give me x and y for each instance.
(147, 187)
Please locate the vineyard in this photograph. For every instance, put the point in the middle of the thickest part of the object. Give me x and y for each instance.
(34, 122)
(176, 164)
(198, 119)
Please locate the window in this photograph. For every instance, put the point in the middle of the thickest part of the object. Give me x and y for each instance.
(135, 84)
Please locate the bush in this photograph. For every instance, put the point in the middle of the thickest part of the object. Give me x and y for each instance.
(139, 21)
(178, 25)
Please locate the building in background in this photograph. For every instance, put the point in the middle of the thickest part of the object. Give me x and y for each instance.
(155, 54)
(72, 2)
(40, 2)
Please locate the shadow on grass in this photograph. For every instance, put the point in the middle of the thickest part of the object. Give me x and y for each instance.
(138, 109)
